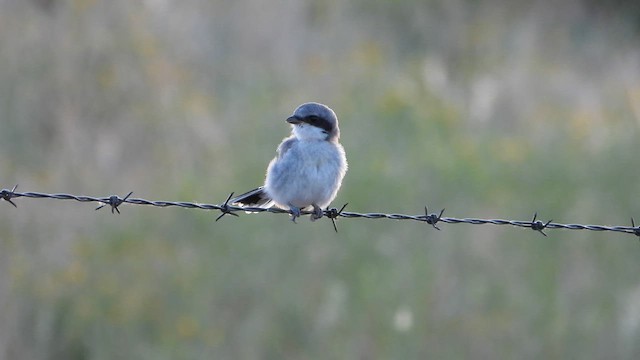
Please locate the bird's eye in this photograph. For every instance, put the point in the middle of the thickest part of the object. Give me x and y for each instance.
(319, 122)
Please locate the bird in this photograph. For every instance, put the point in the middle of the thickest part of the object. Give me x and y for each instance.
(308, 168)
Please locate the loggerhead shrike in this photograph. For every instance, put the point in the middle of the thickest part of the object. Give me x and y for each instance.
(308, 168)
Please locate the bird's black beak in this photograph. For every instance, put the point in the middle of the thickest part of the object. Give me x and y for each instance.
(293, 120)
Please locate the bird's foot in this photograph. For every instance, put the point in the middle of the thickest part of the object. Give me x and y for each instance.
(317, 213)
(295, 212)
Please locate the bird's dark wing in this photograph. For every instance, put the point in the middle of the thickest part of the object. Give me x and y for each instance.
(256, 197)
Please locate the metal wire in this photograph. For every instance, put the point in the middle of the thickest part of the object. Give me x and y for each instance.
(114, 202)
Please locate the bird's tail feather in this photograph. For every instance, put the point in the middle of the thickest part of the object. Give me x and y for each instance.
(254, 198)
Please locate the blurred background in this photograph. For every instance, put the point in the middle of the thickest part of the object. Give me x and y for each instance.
(491, 109)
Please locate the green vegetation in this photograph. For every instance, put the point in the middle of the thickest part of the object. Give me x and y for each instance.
(488, 109)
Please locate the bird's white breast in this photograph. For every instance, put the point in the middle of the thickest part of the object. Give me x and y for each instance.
(309, 172)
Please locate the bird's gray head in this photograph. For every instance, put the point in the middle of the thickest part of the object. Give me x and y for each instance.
(319, 116)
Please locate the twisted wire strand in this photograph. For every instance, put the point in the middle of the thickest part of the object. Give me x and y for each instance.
(114, 201)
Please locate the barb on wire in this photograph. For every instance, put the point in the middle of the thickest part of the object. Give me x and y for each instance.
(8, 194)
(224, 208)
(433, 218)
(333, 213)
(115, 202)
(539, 225)
(637, 230)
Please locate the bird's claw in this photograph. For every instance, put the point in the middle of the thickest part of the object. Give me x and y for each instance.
(317, 213)
(295, 212)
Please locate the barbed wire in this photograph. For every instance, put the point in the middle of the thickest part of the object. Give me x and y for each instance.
(115, 201)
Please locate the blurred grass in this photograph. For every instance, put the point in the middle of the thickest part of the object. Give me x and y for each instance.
(489, 109)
